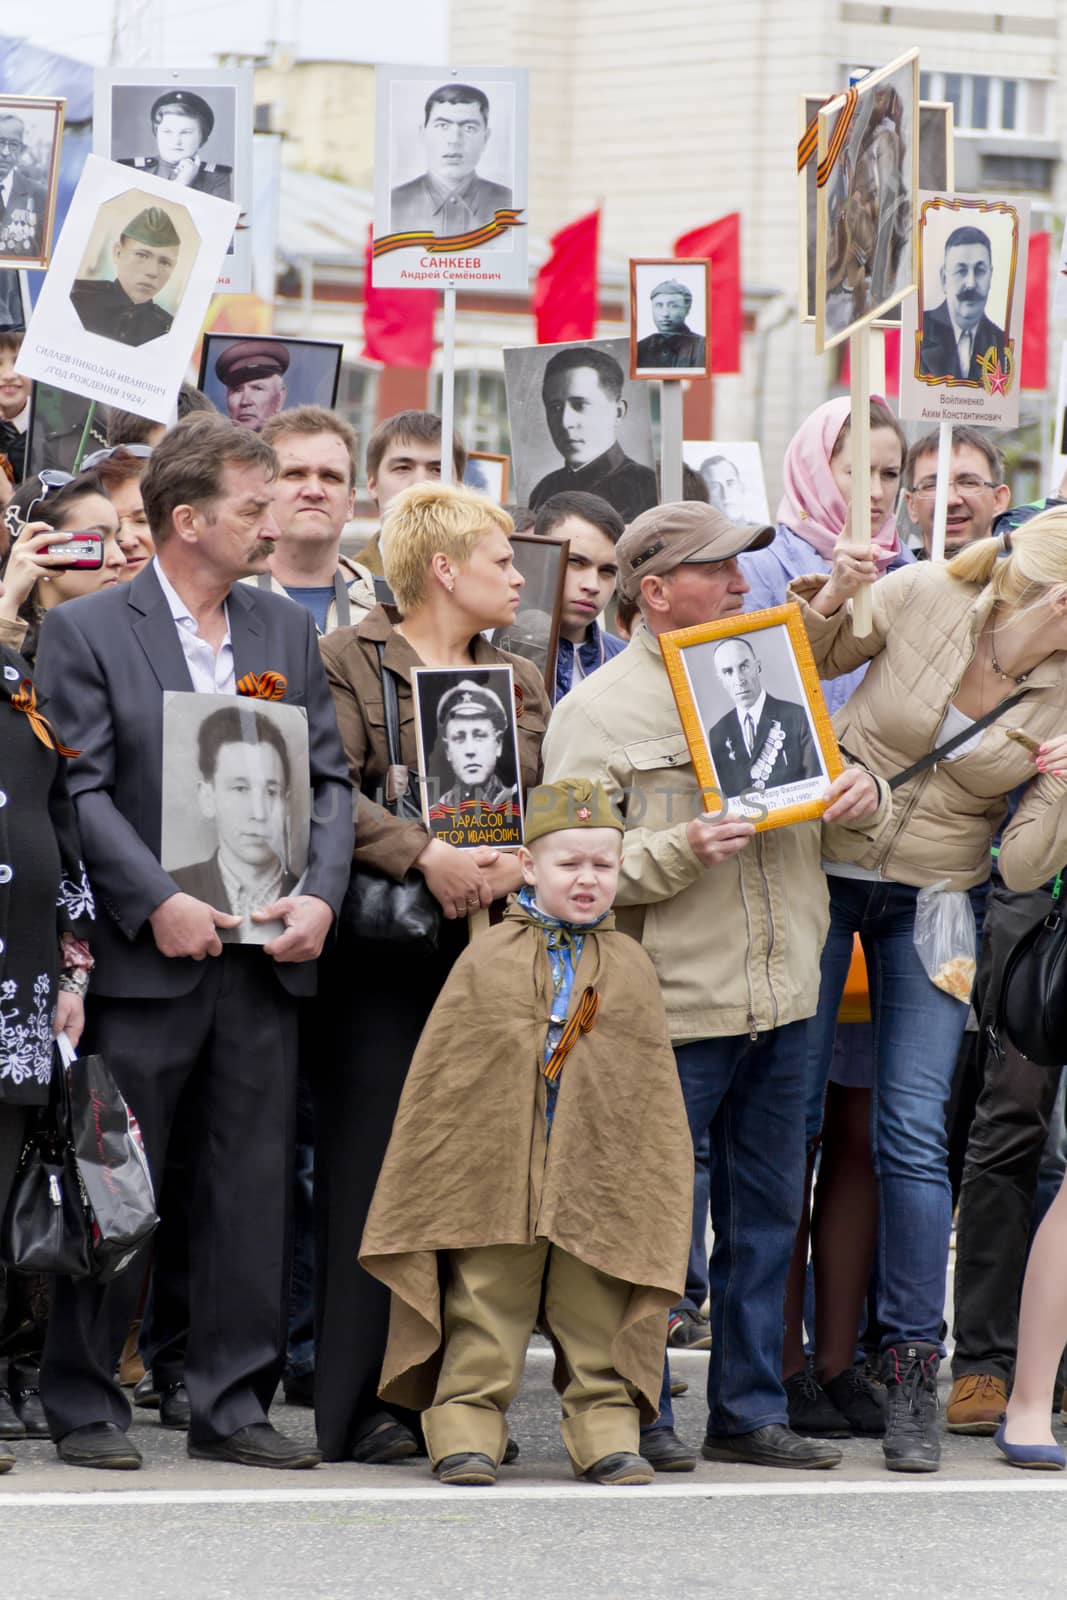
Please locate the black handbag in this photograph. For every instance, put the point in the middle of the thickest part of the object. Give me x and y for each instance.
(47, 1226)
(1032, 1011)
(377, 909)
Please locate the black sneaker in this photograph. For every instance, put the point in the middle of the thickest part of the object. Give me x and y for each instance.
(688, 1331)
(860, 1402)
(811, 1411)
(912, 1442)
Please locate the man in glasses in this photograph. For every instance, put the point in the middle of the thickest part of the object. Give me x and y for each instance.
(977, 493)
(23, 203)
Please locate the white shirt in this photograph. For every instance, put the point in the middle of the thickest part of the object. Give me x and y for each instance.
(211, 673)
(964, 338)
(6, 188)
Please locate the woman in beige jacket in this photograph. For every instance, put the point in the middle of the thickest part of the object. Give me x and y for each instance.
(948, 644)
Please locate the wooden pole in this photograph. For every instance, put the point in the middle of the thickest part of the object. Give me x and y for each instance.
(860, 354)
(670, 452)
(448, 385)
(84, 440)
(944, 472)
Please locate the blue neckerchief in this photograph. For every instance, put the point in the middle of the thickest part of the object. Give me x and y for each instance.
(564, 942)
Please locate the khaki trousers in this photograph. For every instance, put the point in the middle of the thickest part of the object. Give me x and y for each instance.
(490, 1307)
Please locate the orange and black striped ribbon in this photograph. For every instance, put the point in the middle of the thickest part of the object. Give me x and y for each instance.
(263, 685)
(455, 243)
(809, 141)
(581, 1022)
(25, 699)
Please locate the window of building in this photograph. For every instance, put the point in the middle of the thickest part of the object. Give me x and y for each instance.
(357, 399)
(983, 103)
(481, 410)
(1031, 174)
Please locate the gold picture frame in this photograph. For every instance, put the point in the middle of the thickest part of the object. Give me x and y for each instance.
(937, 170)
(29, 221)
(867, 248)
(791, 734)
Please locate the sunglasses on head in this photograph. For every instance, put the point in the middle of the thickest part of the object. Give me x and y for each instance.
(141, 451)
(50, 479)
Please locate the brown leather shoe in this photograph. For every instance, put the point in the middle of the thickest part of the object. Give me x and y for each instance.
(976, 1404)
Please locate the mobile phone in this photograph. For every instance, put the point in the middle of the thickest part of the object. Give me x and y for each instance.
(82, 551)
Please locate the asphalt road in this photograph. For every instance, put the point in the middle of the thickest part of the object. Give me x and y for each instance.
(191, 1530)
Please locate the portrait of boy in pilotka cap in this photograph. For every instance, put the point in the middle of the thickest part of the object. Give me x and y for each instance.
(540, 1164)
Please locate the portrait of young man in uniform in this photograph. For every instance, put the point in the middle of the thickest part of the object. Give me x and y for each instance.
(181, 124)
(472, 755)
(124, 307)
(450, 198)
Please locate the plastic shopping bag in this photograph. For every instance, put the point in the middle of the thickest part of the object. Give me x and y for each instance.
(111, 1161)
(946, 940)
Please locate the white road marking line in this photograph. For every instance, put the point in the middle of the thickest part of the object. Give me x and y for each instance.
(13, 1501)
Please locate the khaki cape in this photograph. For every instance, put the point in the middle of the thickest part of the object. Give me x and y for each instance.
(469, 1165)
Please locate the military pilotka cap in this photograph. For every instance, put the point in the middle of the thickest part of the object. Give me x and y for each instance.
(469, 699)
(190, 105)
(570, 803)
(686, 531)
(249, 359)
(152, 227)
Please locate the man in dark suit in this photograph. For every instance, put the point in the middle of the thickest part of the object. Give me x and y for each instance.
(584, 408)
(195, 1032)
(957, 332)
(764, 742)
(182, 123)
(450, 198)
(23, 203)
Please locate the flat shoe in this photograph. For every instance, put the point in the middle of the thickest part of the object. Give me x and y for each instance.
(469, 1468)
(11, 1424)
(30, 1412)
(511, 1453)
(146, 1394)
(385, 1442)
(662, 1449)
(99, 1444)
(174, 1409)
(771, 1446)
(1038, 1457)
(257, 1445)
(620, 1468)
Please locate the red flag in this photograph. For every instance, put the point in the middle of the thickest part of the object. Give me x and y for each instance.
(720, 243)
(1034, 366)
(565, 294)
(397, 323)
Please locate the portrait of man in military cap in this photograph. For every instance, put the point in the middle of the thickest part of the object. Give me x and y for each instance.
(450, 197)
(181, 123)
(669, 318)
(143, 259)
(251, 380)
(466, 727)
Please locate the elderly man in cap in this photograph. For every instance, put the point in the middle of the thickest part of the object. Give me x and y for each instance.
(471, 723)
(253, 371)
(673, 344)
(734, 923)
(124, 307)
(182, 124)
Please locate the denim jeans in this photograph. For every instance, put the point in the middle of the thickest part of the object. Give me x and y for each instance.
(917, 1033)
(747, 1096)
(696, 1272)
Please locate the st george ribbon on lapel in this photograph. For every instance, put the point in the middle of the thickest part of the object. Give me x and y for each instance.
(263, 685)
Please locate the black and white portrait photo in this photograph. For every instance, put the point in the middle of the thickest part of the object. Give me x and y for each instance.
(754, 716)
(669, 316)
(14, 300)
(251, 380)
(866, 252)
(468, 754)
(31, 131)
(124, 300)
(963, 331)
(450, 175)
(189, 128)
(578, 421)
(534, 630)
(236, 804)
(732, 470)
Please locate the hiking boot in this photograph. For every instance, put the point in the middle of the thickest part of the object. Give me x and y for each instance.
(811, 1411)
(860, 1402)
(912, 1442)
(688, 1331)
(976, 1403)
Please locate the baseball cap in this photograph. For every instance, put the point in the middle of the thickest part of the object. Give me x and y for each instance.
(684, 531)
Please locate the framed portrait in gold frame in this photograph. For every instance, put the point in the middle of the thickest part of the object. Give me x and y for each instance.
(31, 133)
(754, 716)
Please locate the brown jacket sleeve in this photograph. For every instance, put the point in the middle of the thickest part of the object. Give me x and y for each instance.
(837, 649)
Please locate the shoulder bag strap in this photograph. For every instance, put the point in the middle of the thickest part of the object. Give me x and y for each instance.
(957, 739)
(398, 778)
(341, 600)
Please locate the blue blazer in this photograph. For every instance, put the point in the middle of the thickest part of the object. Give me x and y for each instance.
(103, 663)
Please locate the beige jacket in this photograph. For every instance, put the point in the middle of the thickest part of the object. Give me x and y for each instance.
(358, 582)
(736, 947)
(926, 625)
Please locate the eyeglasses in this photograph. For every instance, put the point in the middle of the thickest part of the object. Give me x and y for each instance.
(51, 478)
(141, 451)
(11, 144)
(966, 483)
